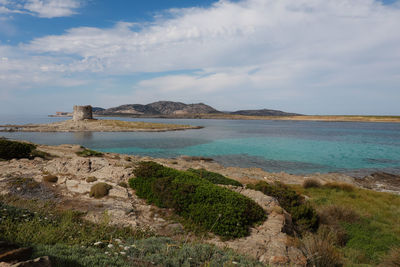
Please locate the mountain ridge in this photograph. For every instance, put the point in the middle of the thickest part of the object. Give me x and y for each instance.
(171, 108)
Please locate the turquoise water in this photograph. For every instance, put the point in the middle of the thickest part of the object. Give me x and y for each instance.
(291, 146)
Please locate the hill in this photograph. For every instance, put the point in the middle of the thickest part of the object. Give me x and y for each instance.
(159, 108)
(171, 109)
(263, 112)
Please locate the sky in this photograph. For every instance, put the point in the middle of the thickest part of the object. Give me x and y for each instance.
(305, 56)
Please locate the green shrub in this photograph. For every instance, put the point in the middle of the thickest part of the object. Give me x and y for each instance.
(99, 190)
(50, 178)
(91, 179)
(309, 183)
(89, 153)
(304, 216)
(15, 150)
(217, 209)
(214, 177)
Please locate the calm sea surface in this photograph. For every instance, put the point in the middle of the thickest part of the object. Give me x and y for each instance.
(290, 146)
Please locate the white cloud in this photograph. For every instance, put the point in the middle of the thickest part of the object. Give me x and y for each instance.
(52, 8)
(259, 52)
(41, 8)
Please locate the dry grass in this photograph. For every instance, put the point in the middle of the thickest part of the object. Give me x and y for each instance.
(99, 190)
(340, 186)
(333, 214)
(320, 250)
(392, 259)
(309, 183)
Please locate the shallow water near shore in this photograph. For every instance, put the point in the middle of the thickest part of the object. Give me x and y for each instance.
(290, 146)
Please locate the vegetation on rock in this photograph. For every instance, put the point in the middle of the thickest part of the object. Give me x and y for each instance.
(89, 153)
(99, 190)
(50, 178)
(91, 179)
(303, 215)
(219, 210)
(15, 150)
(214, 177)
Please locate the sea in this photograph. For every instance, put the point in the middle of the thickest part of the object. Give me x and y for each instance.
(298, 147)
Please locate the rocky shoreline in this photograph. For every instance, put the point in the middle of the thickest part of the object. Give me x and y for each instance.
(97, 126)
(75, 175)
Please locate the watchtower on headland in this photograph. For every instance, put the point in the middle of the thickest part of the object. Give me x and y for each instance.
(82, 113)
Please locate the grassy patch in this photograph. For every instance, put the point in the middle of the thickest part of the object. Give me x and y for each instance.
(219, 210)
(214, 177)
(375, 228)
(303, 215)
(71, 241)
(89, 153)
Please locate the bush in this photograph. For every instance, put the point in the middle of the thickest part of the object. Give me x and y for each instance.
(89, 153)
(320, 251)
(50, 178)
(214, 177)
(217, 209)
(15, 150)
(91, 179)
(340, 186)
(99, 190)
(311, 183)
(304, 216)
(334, 214)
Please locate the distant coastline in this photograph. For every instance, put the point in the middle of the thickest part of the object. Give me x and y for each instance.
(178, 110)
(328, 118)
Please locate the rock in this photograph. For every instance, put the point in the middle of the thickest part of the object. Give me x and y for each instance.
(118, 191)
(38, 262)
(78, 186)
(18, 254)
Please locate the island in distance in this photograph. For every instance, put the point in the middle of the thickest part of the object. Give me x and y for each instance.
(177, 109)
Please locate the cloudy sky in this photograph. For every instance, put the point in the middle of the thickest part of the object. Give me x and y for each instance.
(306, 56)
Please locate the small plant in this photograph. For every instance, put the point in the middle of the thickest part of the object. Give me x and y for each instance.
(50, 178)
(91, 179)
(214, 177)
(123, 184)
(99, 190)
(15, 150)
(340, 186)
(311, 183)
(89, 153)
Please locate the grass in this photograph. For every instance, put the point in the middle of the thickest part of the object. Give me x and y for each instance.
(374, 233)
(71, 241)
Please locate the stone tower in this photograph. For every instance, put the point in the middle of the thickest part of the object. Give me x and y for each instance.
(82, 113)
